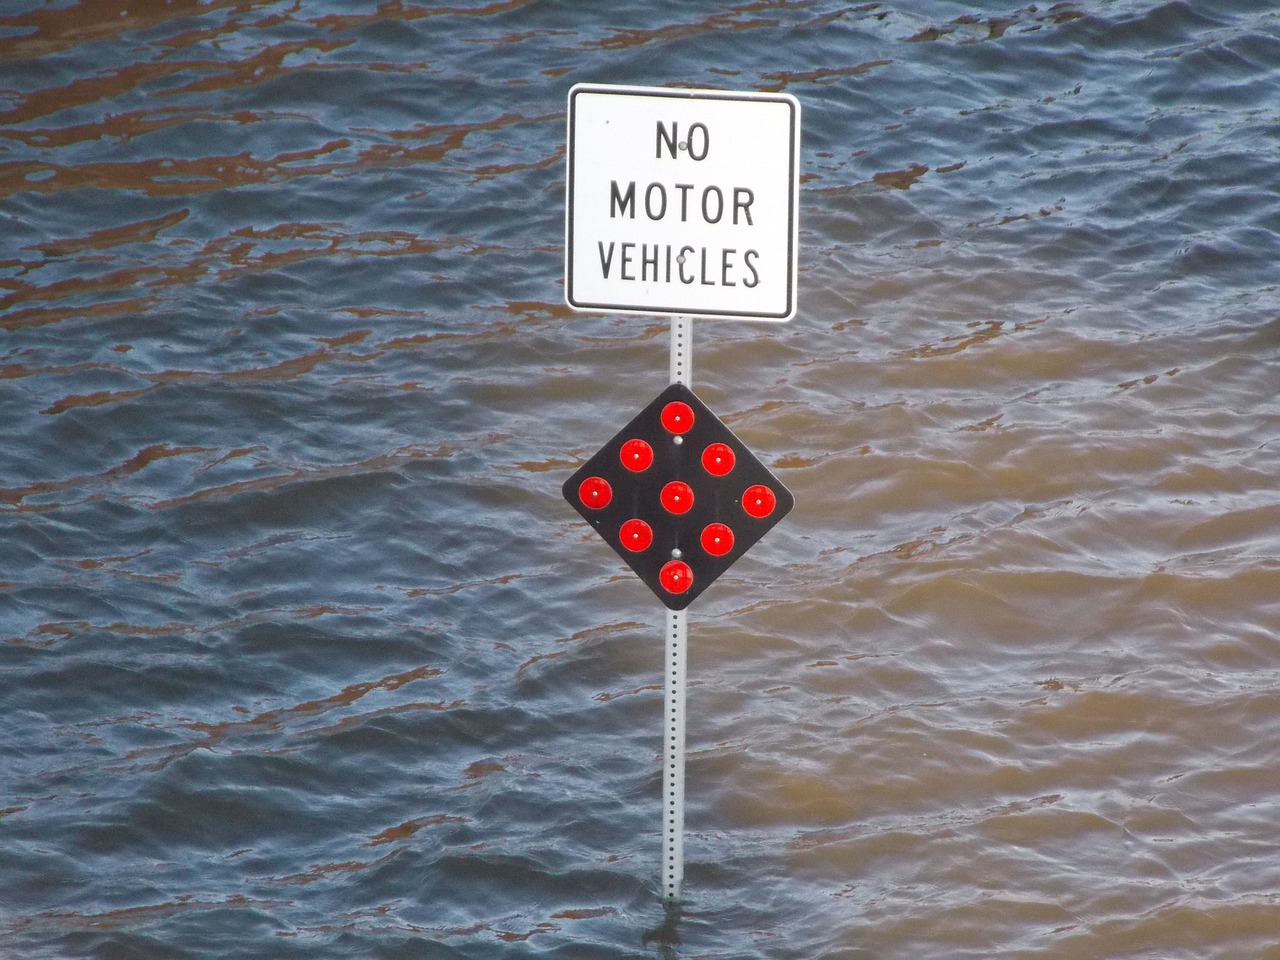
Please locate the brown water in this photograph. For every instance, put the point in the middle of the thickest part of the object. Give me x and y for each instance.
(303, 655)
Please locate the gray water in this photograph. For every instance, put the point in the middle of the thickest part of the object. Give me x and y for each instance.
(302, 654)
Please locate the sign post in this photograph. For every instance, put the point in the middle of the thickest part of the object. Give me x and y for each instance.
(673, 755)
(681, 203)
(675, 671)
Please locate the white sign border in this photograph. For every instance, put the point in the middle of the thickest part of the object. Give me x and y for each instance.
(793, 213)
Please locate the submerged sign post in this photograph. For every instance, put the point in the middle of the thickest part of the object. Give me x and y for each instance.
(683, 203)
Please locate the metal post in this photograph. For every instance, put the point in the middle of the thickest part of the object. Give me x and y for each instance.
(682, 350)
(674, 670)
(673, 759)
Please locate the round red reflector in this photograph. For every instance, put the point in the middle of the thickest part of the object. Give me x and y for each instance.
(636, 535)
(677, 497)
(595, 492)
(636, 456)
(677, 417)
(759, 501)
(718, 459)
(717, 539)
(675, 576)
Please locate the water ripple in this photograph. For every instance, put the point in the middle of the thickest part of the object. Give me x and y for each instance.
(304, 654)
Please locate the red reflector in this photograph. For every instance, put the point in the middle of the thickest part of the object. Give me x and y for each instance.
(675, 576)
(636, 456)
(636, 535)
(595, 493)
(718, 459)
(677, 417)
(759, 501)
(677, 497)
(717, 539)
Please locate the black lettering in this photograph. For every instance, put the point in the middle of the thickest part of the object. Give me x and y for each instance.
(626, 260)
(755, 276)
(684, 189)
(743, 205)
(682, 260)
(620, 203)
(705, 281)
(706, 213)
(605, 261)
(648, 201)
(706, 141)
(668, 138)
(726, 264)
(647, 261)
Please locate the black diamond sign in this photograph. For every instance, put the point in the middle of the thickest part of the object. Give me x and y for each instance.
(678, 496)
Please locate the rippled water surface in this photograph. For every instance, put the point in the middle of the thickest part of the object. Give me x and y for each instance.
(303, 655)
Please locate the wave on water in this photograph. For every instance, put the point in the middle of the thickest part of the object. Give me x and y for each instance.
(304, 655)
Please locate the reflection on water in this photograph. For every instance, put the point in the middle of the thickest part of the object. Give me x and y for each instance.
(666, 936)
(303, 655)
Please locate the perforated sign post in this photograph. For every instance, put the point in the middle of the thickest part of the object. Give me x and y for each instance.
(680, 202)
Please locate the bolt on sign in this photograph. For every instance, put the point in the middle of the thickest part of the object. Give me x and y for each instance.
(677, 496)
(682, 202)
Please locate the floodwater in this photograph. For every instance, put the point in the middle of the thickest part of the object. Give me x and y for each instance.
(302, 654)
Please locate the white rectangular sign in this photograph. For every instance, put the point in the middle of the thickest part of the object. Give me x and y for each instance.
(682, 202)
